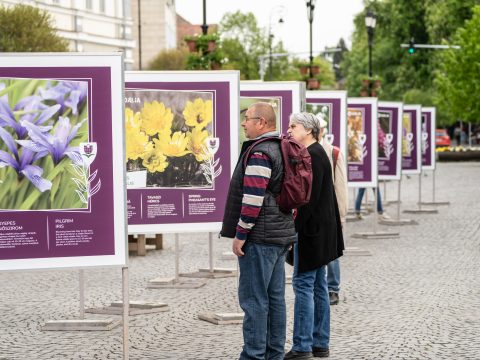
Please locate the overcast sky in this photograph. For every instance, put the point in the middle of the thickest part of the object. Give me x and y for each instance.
(333, 19)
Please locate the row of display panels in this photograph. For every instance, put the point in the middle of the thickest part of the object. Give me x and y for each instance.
(66, 195)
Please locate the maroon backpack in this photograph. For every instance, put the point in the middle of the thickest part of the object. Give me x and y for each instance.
(297, 181)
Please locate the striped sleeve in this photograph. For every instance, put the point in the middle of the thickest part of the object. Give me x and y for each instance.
(255, 182)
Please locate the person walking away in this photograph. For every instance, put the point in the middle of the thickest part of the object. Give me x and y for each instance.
(320, 241)
(262, 235)
(358, 204)
(337, 162)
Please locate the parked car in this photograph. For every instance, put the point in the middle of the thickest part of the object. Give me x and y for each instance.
(442, 138)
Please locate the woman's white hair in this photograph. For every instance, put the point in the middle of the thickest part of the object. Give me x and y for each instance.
(309, 122)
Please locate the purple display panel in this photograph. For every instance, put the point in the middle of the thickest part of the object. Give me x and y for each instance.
(331, 106)
(57, 205)
(389, 140)
(362, 142)
(411, 135)
(428, 138)
(288, 94)
(180, 155)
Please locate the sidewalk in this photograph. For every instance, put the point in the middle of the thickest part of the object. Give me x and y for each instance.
(415, 297)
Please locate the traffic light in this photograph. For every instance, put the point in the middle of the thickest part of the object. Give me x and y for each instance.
(411, 47)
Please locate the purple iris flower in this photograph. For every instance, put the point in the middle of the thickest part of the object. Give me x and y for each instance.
(56, 144)
(67, 94)
(36, 113)
(22, 163)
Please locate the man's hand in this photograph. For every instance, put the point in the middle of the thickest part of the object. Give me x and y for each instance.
(237, 247)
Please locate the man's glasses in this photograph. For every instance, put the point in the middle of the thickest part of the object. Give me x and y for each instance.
(246, 118)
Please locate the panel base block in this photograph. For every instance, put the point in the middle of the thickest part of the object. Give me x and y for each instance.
(80, 325)
(217, 273)
(171, 283)
(397, 222)
(135, 308)
(377, 235)
(222, 318)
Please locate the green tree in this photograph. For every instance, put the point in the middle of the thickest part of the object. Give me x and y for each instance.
(244, 42)
(402, 74)
(24, 28)
(338, 59)
(172, 59)
(458, 88)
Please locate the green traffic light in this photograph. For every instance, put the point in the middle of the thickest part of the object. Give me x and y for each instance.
(411, 50)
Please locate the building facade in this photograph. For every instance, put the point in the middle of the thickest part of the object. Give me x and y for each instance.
(154, 29)
(90, 25)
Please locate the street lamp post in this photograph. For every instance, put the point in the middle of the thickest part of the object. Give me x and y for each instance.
(310, 13)
(279, 9)
(370, 22)
(204, 25)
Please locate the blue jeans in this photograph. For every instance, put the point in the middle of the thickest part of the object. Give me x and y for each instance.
(358, 201)
(261, 294)
(311, 322)
(333, 276)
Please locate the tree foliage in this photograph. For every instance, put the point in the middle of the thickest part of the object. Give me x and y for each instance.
(243, 42)
(403, 75)
(24, 28)
(458, 75)
(172, 59)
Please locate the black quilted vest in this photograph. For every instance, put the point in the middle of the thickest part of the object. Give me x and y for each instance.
(272, 227)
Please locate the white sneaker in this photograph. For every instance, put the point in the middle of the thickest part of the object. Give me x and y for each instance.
(384, 216)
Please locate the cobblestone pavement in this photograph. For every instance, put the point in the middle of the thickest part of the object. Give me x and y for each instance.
(416, 297)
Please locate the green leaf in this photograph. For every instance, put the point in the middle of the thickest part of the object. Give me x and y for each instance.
(35, 194)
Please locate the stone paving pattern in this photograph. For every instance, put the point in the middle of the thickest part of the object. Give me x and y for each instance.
(417, 297)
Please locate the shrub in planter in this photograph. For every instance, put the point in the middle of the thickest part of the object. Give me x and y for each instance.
(191, 42)
(313, 84)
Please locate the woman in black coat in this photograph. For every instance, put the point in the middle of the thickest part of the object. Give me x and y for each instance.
(320, 241)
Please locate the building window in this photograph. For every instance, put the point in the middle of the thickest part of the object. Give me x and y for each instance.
(102, 6)
(88, 4)
(78, 24)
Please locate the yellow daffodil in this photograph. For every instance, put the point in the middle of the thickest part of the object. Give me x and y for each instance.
(156, 118)
(137, 145)
(154, 160)
(173, 146)
(198, 113)
(137, 140)
(196, 144)
(132, 120)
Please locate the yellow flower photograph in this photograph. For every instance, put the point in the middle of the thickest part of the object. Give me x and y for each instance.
(167, 135)
(198, 113)
(196, 144)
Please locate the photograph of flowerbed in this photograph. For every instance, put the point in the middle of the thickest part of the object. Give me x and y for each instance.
(321, 110)
(406, 129)
(356, 136)
(42, 123)
(170, 138)
(384, 127)
(245, 102)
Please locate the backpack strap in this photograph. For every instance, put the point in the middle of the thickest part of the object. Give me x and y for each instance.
(335, 152)
(249, 150)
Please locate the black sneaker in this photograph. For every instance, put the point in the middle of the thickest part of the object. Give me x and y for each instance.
(320, 352)
(298, 355)
(334, 299)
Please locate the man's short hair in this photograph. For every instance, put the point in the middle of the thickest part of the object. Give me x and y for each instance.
(309, 122)
(265, 110)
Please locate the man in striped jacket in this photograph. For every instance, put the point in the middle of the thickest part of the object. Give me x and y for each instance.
(261, 234)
